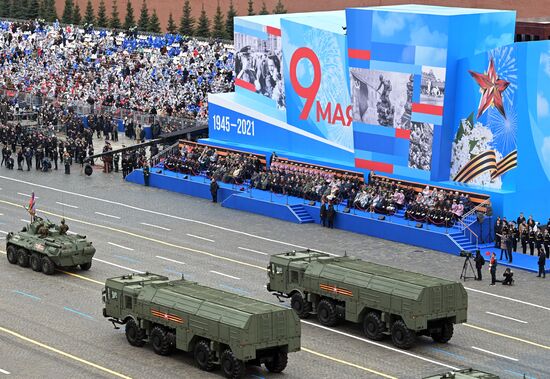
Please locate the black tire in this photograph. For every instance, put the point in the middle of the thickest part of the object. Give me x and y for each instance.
(22, 258)
(232, 367)
(300, 305)
(160, 341)
(326, 313)
(48, 267)
(134, 334)
(11, 253)
(445, 334)
(36, 262)
(373, 326)
(204, 356)
(279, 362)
(402, 337)
(86, 266)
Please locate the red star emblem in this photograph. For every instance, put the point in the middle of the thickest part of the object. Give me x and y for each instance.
(491, 87)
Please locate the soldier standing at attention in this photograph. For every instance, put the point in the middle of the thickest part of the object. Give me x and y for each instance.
(542, 263)
(146, 174)
(323, 212)
(214, 187)
(331, 214)
(67, 162)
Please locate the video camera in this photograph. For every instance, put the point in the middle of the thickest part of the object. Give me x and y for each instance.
(466, 254)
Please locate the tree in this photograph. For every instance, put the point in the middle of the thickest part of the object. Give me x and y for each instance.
(203, 28)
(33, 9)
(231, 13)
(18, 9)
(102, 20)
(218, 29)
(154, 23)
(68, 12)
(5, 8)
(48, 10)
(114, 22)
(187, 22)
(130, 20)
(143, 23)
(279, 8)
(171, 27)
(251, 8)
(89, 17)
(264, 9)
(77, 15)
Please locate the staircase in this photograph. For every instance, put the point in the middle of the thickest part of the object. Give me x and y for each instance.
(301, 213)
(463, 241)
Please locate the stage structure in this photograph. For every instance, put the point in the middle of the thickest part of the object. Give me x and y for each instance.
(432, 94)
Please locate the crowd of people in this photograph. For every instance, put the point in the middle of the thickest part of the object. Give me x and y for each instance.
(169, 75)
(528, 233)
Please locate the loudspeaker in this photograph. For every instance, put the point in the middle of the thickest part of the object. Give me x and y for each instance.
(419, 225)
(88, 170)
(312, 203)
(346, 210)
(381, 218)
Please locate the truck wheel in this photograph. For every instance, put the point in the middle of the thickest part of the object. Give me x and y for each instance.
(160, 341)
(300, 305)
(445, 334)
(134, 334)
(232, 367)
(326, 313)
(36, 262)
(23, 258)
(401, 336)
(47, 266)
(373, 327)
(279, 362)
(204, 356)
(86, 266)
(11, 254)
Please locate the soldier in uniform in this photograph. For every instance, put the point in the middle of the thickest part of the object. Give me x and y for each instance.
(532, 238)
(43, 230)
(539, 239)
(63, 228)
(547, 242)
(116, 158)
(524, 237)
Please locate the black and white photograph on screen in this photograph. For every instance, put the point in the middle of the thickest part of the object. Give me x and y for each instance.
(420, 149)
(259, 62)
(380, 97)
(432, 89)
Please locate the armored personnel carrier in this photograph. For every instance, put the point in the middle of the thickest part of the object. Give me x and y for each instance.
(217, 327)
(384, 300)
(468, 373)
(44, 246)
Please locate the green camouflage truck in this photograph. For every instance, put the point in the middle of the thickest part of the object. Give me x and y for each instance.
(384, 300)
(468, 373)
(218, 327)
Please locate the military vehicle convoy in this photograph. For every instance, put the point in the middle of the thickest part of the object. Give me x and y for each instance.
(384, 300)
(43, 246)
(468, 373)
(218, 327)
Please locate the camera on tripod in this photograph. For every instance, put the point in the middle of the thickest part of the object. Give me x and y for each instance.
(466, 254)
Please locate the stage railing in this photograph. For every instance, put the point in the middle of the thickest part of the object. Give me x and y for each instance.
(466, 227)
(471, 216)
(153, 161)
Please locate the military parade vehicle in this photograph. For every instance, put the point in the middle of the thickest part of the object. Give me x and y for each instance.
(218, 327)
(384, 300)
(468, 373)
(43, 246)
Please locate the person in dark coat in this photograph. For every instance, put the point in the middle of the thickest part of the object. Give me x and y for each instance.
(146, 174)
(498, 231)
(331, 214)
(493, 268)
(542, 263)
(323, 213)
(480, 261)
(214, 187)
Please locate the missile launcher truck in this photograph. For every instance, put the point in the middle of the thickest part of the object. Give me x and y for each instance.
(217, 327)
(45, 246)
(384, 300)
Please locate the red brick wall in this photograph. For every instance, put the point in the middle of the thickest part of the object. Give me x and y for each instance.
(524, 8)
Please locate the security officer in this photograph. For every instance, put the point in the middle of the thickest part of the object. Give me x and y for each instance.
(542, 263)
(146, 174)
(116, 159)
(532, 238)
(524, 239)
(547, 242)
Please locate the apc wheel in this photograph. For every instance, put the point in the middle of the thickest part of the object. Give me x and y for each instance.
(23, 258)
(326, 313)
(373, 327)
(279, 362)
(86, 266)
(204, 356)
(11, 254)
(300, 305)
(47, 266)
(401, 336)
(160, 341)
(36, 262)
(445, 334)
(232, 367)
(134, 334)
